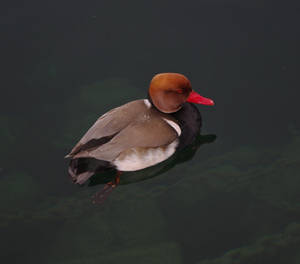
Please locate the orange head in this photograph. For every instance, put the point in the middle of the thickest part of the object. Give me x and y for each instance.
(168, 92)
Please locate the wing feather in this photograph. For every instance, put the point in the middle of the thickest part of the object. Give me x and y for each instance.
(142, 133)
(108, 125)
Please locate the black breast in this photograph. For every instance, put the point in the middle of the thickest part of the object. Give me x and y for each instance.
(189, 119)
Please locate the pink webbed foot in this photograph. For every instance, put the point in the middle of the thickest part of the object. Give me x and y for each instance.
(102, 195)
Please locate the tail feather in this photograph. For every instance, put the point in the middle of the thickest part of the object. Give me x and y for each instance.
(81, 169)
(83, 177)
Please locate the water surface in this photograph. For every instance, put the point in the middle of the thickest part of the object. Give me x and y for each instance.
(236, 201)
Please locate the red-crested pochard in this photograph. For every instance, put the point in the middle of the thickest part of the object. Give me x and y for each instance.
(141, 133)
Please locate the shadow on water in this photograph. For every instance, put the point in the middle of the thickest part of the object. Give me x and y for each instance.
(184, 155)
(132, 177)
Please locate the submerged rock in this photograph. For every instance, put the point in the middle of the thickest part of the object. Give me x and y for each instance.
(282, 248)
(123, 228)
(161, 253)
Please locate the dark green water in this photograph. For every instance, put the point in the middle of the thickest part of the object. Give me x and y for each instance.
(236, 202)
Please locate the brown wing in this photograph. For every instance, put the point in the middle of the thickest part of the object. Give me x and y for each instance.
(108, 125)
(150, 131)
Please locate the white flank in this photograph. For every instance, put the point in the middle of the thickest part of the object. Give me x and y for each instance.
(174, 125)
(139, 160)
(147, 103)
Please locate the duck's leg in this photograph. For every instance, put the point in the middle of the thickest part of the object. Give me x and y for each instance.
(101, 196)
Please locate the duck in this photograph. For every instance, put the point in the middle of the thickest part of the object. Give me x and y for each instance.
(141, 133)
